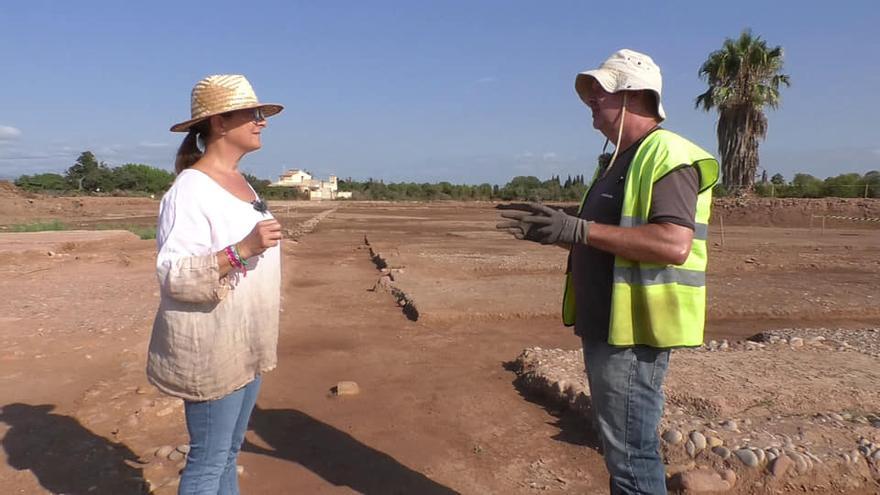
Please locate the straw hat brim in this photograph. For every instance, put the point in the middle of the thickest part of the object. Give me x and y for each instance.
(269, 109)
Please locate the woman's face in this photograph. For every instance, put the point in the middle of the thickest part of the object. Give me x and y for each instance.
(243, 127)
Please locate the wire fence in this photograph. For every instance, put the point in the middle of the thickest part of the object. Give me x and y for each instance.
(817, 190)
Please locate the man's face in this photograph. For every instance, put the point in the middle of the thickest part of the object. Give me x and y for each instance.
(605, 107)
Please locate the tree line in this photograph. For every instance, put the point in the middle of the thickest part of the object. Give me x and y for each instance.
(90, 176)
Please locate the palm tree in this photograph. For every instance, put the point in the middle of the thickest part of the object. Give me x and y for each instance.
(744, 77)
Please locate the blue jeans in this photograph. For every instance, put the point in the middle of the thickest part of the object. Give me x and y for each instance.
(627, 400)
(216, 431)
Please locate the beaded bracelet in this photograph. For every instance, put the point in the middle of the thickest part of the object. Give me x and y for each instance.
(239, 256)
(235, 260)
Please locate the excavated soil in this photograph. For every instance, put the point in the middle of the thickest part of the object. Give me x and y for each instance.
(441, 407)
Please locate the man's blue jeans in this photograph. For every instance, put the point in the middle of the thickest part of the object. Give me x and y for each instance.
(627, 400)
(216, 431)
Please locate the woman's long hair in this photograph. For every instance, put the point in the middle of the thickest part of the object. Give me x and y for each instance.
(189, 152)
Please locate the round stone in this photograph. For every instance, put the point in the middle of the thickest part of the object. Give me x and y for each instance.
(779, 466)
(714, 441)
(730, 425)
(164, 450)
(672, 437)
(855, 456)
(747, 457)
(698, 439)
(690, 448)
(760, 455)
(722, 452)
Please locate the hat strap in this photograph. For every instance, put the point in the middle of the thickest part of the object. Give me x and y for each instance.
(619, 136)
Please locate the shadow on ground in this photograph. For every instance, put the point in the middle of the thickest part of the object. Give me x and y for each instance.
(574, 427)
(66, 457)
(334, 455)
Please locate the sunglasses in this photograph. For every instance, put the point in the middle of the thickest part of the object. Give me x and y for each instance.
(256, 114)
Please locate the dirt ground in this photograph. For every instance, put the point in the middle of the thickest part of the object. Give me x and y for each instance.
(439, 410)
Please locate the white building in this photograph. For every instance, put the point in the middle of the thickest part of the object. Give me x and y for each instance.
(317, 189)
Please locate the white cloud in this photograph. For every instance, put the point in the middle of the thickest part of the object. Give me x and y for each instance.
(151, 144)
(550, 156)
(8, 133)
(486, 80)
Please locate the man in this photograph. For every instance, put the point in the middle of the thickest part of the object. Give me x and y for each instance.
(636, 284)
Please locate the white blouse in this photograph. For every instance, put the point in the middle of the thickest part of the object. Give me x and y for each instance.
(211, 336)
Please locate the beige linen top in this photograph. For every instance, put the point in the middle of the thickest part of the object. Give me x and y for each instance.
(211, 336)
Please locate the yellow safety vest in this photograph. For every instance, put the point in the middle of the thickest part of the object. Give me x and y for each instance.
(654, 304)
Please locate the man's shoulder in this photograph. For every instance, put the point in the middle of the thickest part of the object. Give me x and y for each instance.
(669, 143)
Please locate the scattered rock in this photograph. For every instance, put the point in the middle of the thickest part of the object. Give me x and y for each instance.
(699, 440)
(674, 469)
(346, 388)
(729, 475)
(780, 465)
(165, 412)
(730, 425)
(673, 437)
(747, 457)
(164, 450)
(700, 481)
(722, 452)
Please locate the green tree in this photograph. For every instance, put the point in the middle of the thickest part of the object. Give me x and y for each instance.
(87, 174)
(845, 186)
(42, 182)
(142, 178)
(807, 186)
(744, 77)
(872, 179)
(778, 179)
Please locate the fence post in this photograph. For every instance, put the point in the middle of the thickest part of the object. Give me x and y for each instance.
(721, 219)
(866, 189)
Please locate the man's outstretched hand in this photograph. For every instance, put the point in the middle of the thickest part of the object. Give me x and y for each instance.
(545, 225)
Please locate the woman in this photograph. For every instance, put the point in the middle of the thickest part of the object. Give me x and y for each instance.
(219, 273)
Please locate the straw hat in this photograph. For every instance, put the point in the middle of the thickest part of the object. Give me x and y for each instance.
(218, 94)
(625, 70)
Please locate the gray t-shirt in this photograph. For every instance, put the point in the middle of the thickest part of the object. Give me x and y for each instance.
(674, 200)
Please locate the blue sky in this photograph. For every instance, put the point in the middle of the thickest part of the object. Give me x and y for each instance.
(465, 91)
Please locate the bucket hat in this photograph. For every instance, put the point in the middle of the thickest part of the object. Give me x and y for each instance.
(223, 93)
(625, 70)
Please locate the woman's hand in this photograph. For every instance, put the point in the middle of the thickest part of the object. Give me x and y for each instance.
(264, 235)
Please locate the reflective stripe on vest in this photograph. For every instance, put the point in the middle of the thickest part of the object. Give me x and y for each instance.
(701, 230)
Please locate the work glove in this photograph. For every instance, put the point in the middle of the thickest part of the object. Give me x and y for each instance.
(545, 225)
(516, 226)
